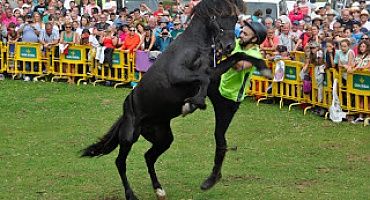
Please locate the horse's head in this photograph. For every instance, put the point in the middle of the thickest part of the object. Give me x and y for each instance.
(220, 17)
(223, 28)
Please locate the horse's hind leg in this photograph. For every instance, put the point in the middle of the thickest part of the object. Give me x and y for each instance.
(161, 137)
(121, 166)
(127, 137)
(224, 112)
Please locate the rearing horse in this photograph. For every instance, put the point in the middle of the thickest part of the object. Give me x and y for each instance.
(180, 75)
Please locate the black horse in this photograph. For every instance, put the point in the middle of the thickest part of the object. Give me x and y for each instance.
(180, 75)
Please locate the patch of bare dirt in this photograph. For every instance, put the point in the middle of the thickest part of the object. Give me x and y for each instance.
(107, 102)
(304, 184)
(323, 170)
(331, 146)
(356, 158)
(40, 99)
(241, 178)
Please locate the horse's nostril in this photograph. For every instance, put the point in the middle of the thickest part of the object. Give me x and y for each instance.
(230, 47)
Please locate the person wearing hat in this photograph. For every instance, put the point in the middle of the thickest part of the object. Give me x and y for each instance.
(177, 29)
(364, 19)
(234, 82)
(330, 18)
(226, 93)
(295, 33)
(307, 19)
(163, 22)
(321, 11)
(26, 9)
(316, 20)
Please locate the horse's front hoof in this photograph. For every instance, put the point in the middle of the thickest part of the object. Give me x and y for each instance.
(210, 181)
(160, 193)
(188, 108)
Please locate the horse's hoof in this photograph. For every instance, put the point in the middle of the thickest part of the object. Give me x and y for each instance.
(161, 194)
(188, 108)
(210, 181)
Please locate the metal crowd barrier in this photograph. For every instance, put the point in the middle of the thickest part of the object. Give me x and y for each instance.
(121, 70)
(25, 58)
(79, 62)
(2, 58)
(74, 64)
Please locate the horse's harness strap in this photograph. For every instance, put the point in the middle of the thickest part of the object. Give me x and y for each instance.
(214, 52)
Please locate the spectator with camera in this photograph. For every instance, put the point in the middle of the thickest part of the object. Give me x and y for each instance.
(28, 31)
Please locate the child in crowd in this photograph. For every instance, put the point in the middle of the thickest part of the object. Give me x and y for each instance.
(12, 38)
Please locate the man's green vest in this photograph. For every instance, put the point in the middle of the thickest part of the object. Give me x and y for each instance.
(233, 83)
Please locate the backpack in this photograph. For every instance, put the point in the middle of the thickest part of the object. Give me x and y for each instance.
(307, 84)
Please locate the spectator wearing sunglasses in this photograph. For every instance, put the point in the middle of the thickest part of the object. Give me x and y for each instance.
(355, 47)
(132, 40)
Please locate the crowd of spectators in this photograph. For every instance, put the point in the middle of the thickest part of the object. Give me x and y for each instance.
(52, 21)
(329, 39)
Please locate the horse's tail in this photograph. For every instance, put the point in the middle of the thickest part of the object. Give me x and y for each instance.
(106, 144)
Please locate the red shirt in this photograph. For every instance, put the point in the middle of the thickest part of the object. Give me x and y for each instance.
(131, 42)
(267, 44)
(108, 42)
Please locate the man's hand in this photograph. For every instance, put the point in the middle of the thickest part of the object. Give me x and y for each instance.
(241, 65)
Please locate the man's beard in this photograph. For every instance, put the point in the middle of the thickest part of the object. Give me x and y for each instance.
(244, 43)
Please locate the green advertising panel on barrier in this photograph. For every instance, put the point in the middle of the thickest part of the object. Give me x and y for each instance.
(290, 73)
(74, 54)
(116, 58)
(28, 52)
(361, 82)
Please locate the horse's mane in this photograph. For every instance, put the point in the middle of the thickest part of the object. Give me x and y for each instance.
(210, 8)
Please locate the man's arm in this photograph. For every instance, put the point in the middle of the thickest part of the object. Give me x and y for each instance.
(230, 62)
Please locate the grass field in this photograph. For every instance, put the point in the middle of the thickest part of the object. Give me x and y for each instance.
(281, 154)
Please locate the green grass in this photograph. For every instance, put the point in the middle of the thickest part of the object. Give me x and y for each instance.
(281, 154)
